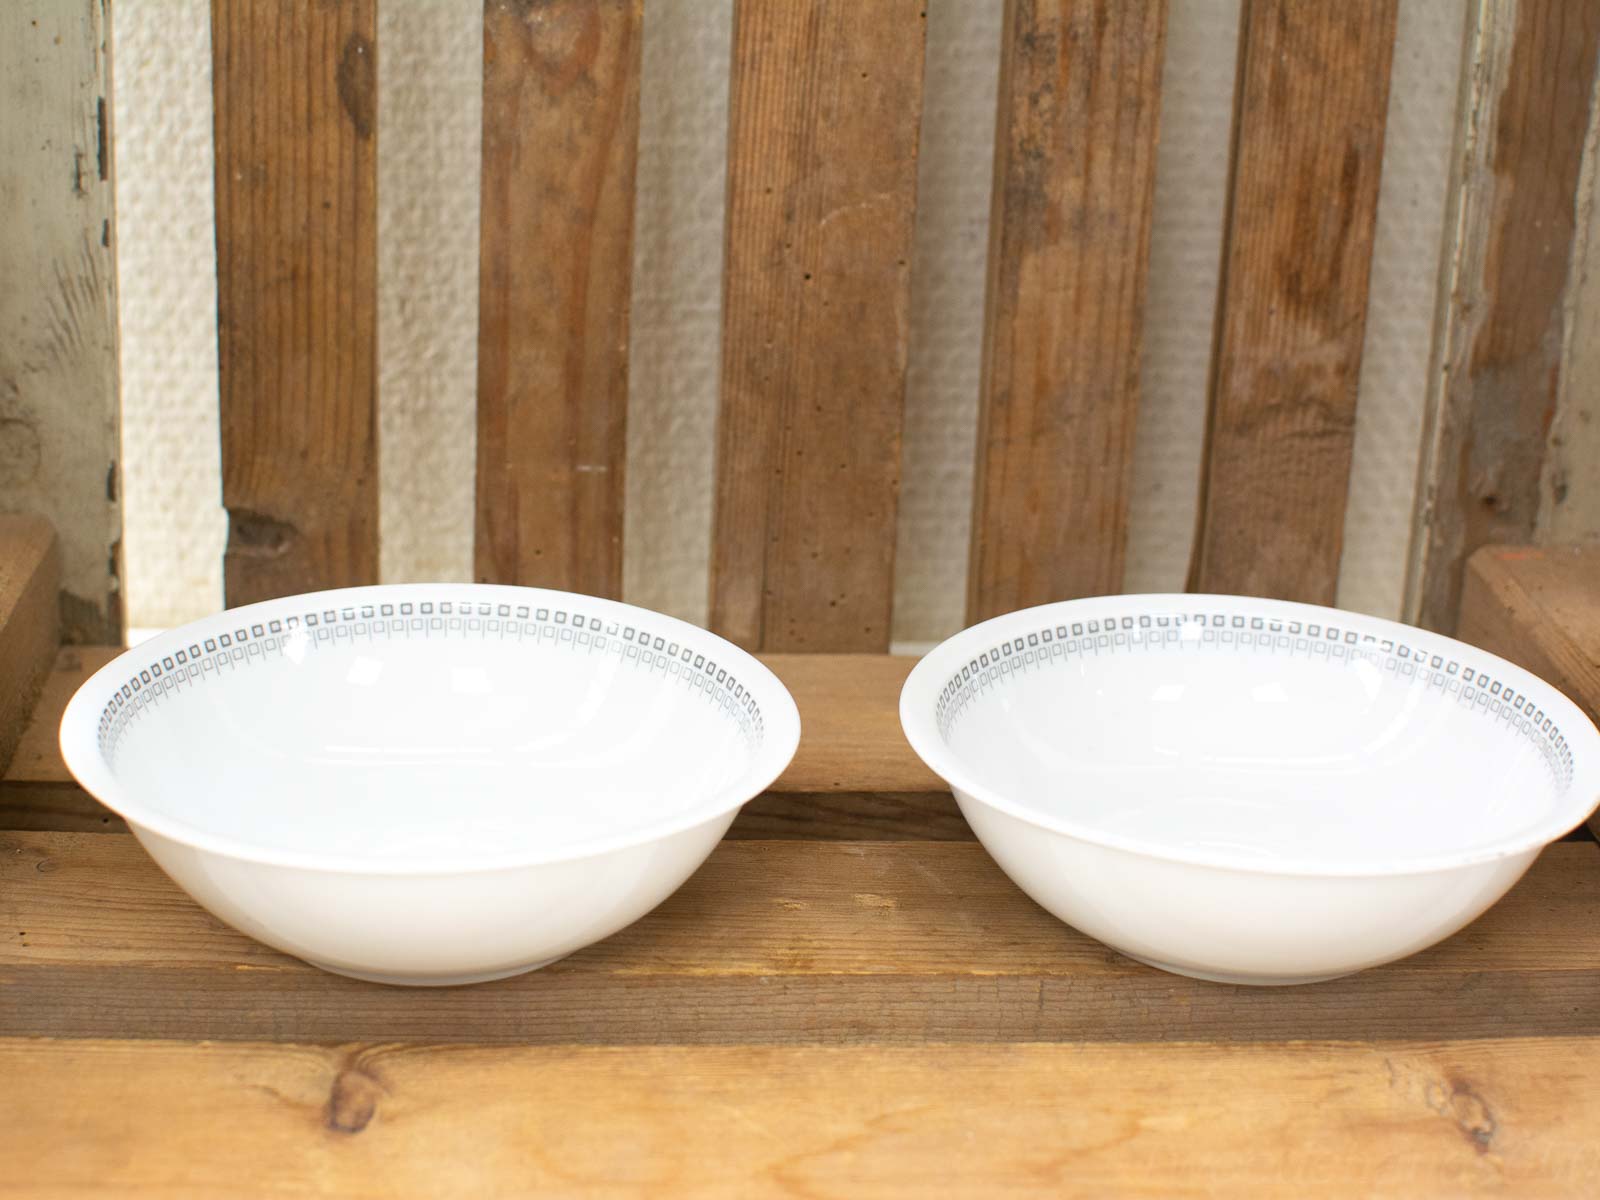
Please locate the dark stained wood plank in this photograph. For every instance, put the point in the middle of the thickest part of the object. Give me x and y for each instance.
(1414, 1118)
(1497, 377)
(1312, 99)
(30, 621)
(560, 139)
(296, 180)
(1540, 608)
(815, 942)
(1075, 157)
(836, 816)
(825, 107)
(59, 413)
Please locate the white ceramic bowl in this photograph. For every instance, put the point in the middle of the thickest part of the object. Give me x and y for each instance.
(1245, 790)
(430, 784)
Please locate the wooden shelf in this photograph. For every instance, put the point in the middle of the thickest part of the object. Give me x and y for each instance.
(849, 999)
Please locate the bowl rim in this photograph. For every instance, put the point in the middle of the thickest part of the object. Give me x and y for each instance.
(920, 693)
(80, 749)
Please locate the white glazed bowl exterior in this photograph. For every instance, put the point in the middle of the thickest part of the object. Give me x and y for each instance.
(583, 769)
(1296, 914)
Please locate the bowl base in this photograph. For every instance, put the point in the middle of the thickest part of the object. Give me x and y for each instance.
(1246, 980)
(434, 980)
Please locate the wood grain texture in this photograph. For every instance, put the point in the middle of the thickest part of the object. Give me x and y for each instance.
(30, 622)
(296, 189)
(1412, 1118)
(825, 105)
(38, 755)
(59, 410)
(1075, 156)
(1311, 102)
(1496, 374)
(560, 140)
(813, 942)
(1540, 608)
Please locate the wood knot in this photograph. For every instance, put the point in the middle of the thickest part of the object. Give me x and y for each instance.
(357, 80)
(1457, 1101)
(353, 1100)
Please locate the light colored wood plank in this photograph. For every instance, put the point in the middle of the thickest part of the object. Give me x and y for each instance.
(30, 624)
(825, 107)
(560, 138)
(59, 414)
(1496, 373)
(296, 180)
(814, 942)
(176, 1119)
(1541, 609)
(1312, 99)
(1075, 156)
(38, 756)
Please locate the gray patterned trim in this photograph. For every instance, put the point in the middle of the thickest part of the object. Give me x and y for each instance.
(1241, 634)
(254, 643)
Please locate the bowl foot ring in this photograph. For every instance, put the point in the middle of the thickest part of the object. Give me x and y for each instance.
(435, 980)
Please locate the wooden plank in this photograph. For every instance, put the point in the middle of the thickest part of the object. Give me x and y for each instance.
(1311, 102)
(825, 104)
(1496, 373)
(176, 1119)
(296, 182)
(1541, 609)
(1074, 184)
(38, 756)
(560, 138)
(30, 622)
(59, 416)
(828, 816)
(816, 942)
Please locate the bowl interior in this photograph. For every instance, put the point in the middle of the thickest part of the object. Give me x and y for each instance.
(1255, 733)
(418, 729)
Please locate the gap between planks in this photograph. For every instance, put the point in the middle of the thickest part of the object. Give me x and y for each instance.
(174, 1119)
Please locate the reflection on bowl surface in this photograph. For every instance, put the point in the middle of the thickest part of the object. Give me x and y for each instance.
(430, 783)
(1249, 789)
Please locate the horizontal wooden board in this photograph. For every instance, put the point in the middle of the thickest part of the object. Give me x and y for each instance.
(849, 713)
(180, 1120)
(770, 942)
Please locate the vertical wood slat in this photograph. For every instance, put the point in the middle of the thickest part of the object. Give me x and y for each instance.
(59, 449)
(1308, 149)
(560, 138)
(1498, 343)
(296, 189)
(1075, 154)
(826, 102)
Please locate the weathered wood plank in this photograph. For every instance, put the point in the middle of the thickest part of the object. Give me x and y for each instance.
(38, 755)
(834, 816)
(816, 942)
(30, 622)
(59, 413)
(825, 107)
(296, 183)
(1497, 358)
(1308, 148)
(1074, 180)
(176, 1119)
(1541, 609)
(560, 139)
